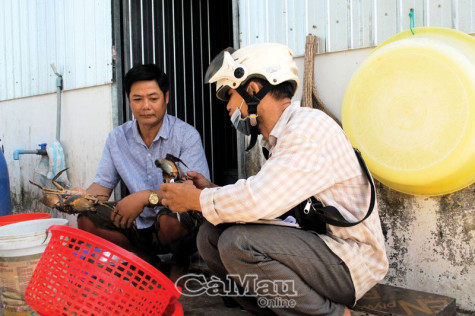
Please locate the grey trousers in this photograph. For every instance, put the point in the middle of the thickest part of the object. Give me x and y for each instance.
(276, 270)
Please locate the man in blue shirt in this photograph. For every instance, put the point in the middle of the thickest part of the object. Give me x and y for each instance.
(139, 223)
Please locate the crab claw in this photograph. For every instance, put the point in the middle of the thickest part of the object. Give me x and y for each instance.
(175, 159)
(56, 177)
(50, 200)
(169, 169)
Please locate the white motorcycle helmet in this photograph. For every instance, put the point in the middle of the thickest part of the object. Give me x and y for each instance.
(232, 68)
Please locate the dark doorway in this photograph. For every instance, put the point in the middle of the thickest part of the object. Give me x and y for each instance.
(182, 36)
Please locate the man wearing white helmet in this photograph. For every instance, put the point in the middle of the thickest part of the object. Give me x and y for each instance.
(338, 254)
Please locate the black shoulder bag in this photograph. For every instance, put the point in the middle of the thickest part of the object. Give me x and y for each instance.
(312, 215)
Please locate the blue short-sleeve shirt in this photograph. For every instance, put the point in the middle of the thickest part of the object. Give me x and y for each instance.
(126, 157)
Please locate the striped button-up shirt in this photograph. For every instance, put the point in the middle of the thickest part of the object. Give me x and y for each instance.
(126, 157)
(309, 156)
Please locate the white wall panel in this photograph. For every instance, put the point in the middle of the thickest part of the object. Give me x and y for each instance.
(345, 24)
(386, 23)
(278, 24)
(46, 84)
(297, 23)
(317, 17)
(15, 48)
(7, 69)
(33, 55)
(74, 35)
(439, 12)
(338, 28)
(464, 20)
(361, 22)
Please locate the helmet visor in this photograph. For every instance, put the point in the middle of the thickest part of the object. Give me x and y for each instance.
(217, 63)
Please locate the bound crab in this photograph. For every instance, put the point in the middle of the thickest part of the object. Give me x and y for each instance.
(170, 170)
(73, 202)
(70, 201)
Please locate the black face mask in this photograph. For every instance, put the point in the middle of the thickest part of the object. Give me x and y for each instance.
(252, 102)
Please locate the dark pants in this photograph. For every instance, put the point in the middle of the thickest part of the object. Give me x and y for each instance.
(299, 273)
(147, 239)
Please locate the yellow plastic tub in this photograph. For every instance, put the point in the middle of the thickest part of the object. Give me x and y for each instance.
(410, 109)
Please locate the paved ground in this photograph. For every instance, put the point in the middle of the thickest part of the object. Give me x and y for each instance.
(214, 306)
(208, 305)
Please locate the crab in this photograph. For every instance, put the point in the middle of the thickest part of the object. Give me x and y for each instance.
(74, 202)
(171, 172)
(71, 201)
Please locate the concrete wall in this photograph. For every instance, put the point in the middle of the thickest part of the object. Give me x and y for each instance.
(430, 240)
(86, 119)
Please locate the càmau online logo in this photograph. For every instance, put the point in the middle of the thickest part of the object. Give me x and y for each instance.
(198, 284)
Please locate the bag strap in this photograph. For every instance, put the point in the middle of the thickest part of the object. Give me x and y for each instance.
(330, 214)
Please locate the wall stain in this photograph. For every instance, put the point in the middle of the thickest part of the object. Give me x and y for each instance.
(394, 211)
(455, 234)
(26, 199)
(451, 239)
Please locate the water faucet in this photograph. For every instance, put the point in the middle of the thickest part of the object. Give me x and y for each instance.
(40, 151)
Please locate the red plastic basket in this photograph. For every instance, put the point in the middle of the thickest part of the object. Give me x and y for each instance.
(82, 274)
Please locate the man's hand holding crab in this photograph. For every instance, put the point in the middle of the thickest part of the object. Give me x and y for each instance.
(182, 197)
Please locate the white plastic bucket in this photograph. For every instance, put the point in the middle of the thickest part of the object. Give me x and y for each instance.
(21, 246)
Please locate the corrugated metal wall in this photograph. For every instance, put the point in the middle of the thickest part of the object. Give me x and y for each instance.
(345, 24)
(74, 35)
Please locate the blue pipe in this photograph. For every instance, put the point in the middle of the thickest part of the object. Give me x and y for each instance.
(5, 196)
(41, 151)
